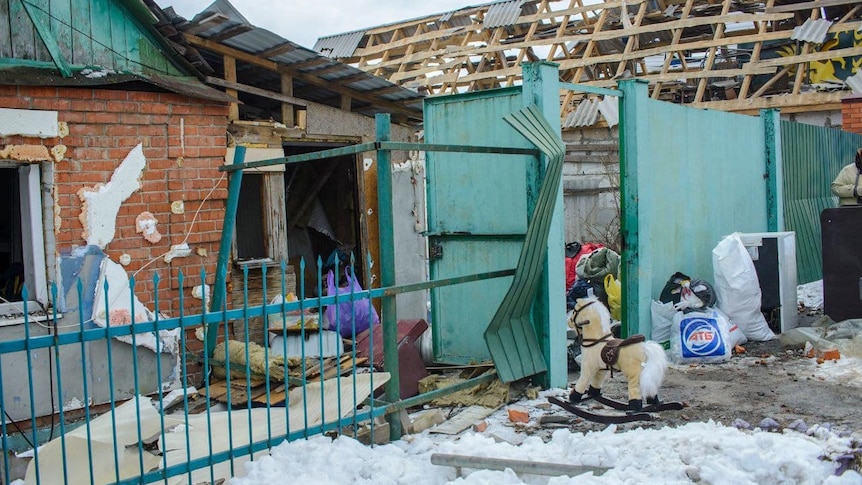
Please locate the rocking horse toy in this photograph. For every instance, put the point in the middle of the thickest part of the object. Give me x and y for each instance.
(642, 362)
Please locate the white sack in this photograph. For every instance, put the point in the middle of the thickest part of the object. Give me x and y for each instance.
(738, 289)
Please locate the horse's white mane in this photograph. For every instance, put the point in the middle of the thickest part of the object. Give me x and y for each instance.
(604, 313)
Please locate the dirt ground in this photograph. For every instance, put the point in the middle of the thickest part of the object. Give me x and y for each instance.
(767, 381)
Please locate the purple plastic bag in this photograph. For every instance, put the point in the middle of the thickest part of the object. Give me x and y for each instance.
(362, 309)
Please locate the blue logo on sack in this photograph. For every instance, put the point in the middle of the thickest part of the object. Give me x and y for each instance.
(701, 338)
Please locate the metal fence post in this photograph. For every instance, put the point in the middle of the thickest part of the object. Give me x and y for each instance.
(219, 296)
(387, 270)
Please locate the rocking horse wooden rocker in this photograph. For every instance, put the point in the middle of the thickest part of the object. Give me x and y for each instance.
(642, 362)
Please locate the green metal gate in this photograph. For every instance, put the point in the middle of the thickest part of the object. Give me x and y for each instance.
(479, 208)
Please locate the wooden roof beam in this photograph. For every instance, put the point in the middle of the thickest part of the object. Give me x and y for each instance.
(394, 107)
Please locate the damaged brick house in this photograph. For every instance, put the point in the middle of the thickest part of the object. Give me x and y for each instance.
(296, 101)
(110, 148)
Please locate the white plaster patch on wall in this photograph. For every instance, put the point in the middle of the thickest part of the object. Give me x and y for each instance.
(102, 202)
(367, 163)
(178, 207)
(28, 122)
(178, 251)
(146, 225)
(200, 291)
(59, 153)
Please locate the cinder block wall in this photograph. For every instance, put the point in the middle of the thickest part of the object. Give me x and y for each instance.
(184, 143)
(851, 114)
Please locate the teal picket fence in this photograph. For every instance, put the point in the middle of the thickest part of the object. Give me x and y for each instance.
(131, 440)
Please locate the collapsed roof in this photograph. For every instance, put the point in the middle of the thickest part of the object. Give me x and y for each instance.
(733, 55)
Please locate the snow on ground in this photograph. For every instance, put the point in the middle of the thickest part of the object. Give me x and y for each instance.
(705, 452)
(696, 452)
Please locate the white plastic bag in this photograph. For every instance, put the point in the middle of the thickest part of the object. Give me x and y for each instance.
(700, 337)
(737, 337)
(662, 321)
(810, 295)
(738, 289)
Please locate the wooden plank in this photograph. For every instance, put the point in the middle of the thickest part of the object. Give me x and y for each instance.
(275, 219)
(755, 54)
(613, 34)
(235, 86)
(810, 5)
(677, 35)
(118, 36)
(230, 77)
(82, 45)
(101, 28)
(41, 6)
(5, 29)
(37, 16)
(61, 22)
(710, 56)
(23, 33)
(821, 101)
(288, 114)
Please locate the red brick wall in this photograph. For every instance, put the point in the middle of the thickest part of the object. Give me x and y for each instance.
(851, 114)
(104, 125)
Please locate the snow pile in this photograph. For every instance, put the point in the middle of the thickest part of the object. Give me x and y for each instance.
(697, 452)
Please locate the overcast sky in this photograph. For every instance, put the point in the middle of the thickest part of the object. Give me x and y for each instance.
(303, 21)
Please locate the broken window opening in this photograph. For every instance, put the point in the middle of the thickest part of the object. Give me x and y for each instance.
(22, 252)
(324, 213)
(249, 220)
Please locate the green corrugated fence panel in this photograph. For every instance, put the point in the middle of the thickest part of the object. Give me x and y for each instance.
(812, 157)
(510, 336)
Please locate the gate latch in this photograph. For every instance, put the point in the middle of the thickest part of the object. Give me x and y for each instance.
(435, 251)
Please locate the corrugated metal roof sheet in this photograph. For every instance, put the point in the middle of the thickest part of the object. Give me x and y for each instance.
(588, 110)
(855, 82)
(340, 45)
(460, 21)
(224, 8)
(586, 114)
(812, 31)
(503, 13)
(609, 107)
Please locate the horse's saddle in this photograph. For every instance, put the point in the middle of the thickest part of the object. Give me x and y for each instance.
(611, 351)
